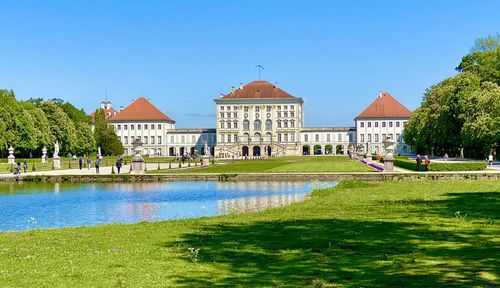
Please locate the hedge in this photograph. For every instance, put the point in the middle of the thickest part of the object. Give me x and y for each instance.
(435, 166)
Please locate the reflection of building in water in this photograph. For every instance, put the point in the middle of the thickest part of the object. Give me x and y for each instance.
(264, 186)
(240, 205)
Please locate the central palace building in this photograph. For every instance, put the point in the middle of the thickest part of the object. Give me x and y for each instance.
(259, 120)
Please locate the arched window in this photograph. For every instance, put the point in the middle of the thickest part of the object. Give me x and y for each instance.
(269, 125)
(246, 137)
(256, 125)
(235, 124)
(246, 125)
(256, 137)
(268, 136)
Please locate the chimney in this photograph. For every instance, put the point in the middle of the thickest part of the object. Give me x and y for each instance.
(232, 89)
(241, 85)
(121, 108)
(103, 105)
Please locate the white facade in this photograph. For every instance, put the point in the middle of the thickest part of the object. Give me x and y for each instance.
(330, 141)
(151, 133)
(371, 132)
(258, 127)
(190, 141)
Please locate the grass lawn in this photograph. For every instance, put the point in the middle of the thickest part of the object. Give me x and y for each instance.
(283, 164)
(392, 234)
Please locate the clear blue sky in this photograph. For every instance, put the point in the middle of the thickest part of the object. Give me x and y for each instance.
(337, 55)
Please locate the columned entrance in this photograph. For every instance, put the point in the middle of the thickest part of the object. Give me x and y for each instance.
(306, 150)
(269, 150)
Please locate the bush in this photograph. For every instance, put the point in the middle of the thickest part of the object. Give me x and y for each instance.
(409, 164)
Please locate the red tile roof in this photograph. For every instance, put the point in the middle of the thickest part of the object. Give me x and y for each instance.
(258, 89)
(385, 106)
(141, 110)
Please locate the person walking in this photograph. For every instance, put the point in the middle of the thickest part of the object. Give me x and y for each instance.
(97, 164)
(25, 165)
(419, 161)
(88, 162)
(490, 160)
(119, 164)
(445, 157)
(17, 168)
(80, 162)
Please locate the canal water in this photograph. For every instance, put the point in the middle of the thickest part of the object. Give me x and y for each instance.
(25, 206)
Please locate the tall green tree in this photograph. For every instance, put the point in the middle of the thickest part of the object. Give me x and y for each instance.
(105, 135)
(61, 127)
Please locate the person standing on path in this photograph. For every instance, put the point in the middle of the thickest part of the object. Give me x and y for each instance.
(97, 164)
(490, 160)
(80, 162)
(119, 164)
(419, 160)
(88, 162)
(25, 165)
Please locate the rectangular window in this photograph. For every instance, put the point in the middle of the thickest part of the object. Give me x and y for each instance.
(235, 114)
(279, 137)
(285, 124)
(146, 126)
(235, 108)
(132, 127)
(159, 126)
(339, 137)
(369, 124)
(327, 137)
(119, 127)
(172, 139)
(285, 107)
(292, 137)
(152, 126)
(390, 123)
(228, 125)
(221, 124)
(376, 138)
(257, 109)
(362, 124)
(152, 139)
(397, 137)
(397, 123)
(159, 139)
(384, 137)
(292, 107)
(235, 125)
(268, 108)
(376, 124)
(369, 137)
(404, 124)
(125, 127)
(306, 138)
(145, 139)
(279, 114)
(383, 124)
(222, 108)
(316, 137)
(228, 108)
(221, 114)
(390, 136)
(292, 124)
(229, 138)
(245, 108)
(228, 114)
(126, 140)
(183, 139)
(292, 114)
(362, 139)
(138, 126)
(193, 139)
(285, 136)
(279, 107)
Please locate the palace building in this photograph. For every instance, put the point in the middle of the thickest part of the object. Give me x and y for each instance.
(259, 120)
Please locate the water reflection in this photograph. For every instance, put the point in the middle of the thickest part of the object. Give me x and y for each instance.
(50, 205)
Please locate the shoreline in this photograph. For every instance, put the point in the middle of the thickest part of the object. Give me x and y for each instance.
(300, 176)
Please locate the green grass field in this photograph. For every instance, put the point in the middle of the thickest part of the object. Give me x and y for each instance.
(392, 234)
(283, 164)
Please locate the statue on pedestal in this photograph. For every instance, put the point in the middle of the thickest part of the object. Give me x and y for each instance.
(138, 165)
(389, 157)
(56, 158)
(205, 160)
(44, 155)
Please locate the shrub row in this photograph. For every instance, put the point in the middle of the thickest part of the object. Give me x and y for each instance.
(435, 166)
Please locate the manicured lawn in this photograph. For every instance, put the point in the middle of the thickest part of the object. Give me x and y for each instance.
(284, 164)
(392, 234)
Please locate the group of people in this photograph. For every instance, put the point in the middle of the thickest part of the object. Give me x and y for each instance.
(17, 167)
(422, 160)
(98, 162)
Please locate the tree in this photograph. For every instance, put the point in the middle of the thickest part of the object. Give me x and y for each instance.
(85, 142)
(61, 127)
(105, 135)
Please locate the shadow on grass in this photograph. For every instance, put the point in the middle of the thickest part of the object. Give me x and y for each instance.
(326, 252)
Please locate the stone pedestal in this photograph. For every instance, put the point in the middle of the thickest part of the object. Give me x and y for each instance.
(368, 158)
(11, 158)
(57, 162)
(205, 160)
(389, 156)
(137, 166)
